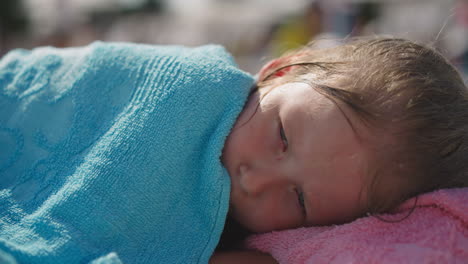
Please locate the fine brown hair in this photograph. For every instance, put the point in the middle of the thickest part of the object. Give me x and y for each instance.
(408, 94)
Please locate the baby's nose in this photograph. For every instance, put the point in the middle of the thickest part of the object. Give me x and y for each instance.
(256, 180)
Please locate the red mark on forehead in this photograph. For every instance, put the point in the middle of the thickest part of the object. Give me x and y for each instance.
(277, 64)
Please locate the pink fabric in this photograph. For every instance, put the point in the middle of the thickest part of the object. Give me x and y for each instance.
(436, 232)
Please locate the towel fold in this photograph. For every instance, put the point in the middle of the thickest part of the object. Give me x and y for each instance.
(435, 232)
(110, 153)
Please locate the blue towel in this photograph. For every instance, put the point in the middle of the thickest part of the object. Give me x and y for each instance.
(110, 153)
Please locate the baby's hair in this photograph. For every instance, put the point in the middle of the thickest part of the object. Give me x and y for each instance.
(412, 99)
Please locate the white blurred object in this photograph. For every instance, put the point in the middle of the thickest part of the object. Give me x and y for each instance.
(420, 20)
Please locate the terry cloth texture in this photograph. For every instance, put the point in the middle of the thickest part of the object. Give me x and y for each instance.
(435, 232)
(110, 153)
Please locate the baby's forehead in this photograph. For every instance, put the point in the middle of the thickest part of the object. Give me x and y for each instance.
(388, 161)
(381, 143)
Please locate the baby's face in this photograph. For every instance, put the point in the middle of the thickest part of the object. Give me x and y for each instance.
(295, 161)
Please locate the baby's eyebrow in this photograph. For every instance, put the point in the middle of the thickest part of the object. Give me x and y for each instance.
(330, 92)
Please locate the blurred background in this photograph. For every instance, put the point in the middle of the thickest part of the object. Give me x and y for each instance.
(254, 31)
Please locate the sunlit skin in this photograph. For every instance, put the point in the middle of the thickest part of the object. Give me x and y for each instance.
(295, 159)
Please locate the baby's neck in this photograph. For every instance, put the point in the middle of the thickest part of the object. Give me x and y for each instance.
(233, 235)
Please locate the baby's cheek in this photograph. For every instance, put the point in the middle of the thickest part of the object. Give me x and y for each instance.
(274, 215)
(245, 138)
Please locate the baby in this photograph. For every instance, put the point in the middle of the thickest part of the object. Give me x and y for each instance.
(114, 152)
(333, 134)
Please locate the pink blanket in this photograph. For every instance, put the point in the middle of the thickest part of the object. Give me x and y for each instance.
(435, 232)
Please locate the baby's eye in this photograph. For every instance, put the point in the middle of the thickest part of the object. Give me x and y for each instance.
(300, 200)
(284, 140)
